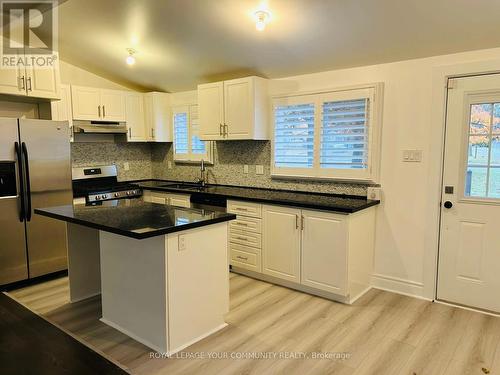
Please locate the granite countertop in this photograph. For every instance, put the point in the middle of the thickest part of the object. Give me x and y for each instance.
(135, 218)
(329, 202)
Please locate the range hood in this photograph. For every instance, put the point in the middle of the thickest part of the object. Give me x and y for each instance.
(94, 127)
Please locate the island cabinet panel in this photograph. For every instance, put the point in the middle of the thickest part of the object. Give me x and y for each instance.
(179, 200)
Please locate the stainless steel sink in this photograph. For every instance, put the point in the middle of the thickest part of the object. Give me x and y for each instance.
(184, 186)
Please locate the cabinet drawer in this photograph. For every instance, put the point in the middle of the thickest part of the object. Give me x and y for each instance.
(244, 208)
(245, 257)
(245, 238)
(246, 223)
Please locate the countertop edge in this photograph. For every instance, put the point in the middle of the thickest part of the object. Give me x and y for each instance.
(137, 236)
(370, 203)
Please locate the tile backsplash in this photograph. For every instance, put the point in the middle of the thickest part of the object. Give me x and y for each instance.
(229, 160)
(138, 155)
(150, 160)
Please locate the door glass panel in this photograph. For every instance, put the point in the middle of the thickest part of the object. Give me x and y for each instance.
(482, 178)
(480, 118)
(475, 181)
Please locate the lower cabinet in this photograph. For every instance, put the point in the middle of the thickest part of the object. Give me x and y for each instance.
(281, 243)
(318, 252)
(172, 199)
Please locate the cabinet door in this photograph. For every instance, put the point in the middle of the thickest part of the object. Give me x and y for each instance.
(239, 108)
(162, 131)
(135, 117)
(211, 111)
(148, 117)
(324, 251)
(86, 102)
(180, 200)
(281, 242)
(43, 82)
(113, 105)
(61, 109)
(12, 80)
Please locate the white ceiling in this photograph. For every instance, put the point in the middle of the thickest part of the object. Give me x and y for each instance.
(184, 42)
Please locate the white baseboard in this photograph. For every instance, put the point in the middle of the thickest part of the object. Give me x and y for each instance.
(178, 349)
(397, 285)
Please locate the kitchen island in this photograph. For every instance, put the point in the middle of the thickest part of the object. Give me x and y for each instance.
(162, 271)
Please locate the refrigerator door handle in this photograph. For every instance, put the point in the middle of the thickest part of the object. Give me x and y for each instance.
(22, 211)
(28, 185)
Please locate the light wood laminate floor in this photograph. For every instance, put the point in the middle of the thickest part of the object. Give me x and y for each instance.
(383, 333)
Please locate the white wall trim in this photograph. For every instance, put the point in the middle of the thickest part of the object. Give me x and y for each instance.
(398, 285)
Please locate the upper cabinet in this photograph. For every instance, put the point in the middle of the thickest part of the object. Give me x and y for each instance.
(93, 104)
(136, 125)
(157, 117)
(235, 109)
(61, 109)
(33, 81)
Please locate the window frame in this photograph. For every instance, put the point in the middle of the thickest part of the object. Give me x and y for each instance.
(374, 93)
(190, 157)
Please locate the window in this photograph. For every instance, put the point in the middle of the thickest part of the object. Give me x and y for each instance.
(482, 178)
(187, 145)
(332, 135)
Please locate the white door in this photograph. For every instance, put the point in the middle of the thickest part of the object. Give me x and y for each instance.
(135, 117)
(86, 102)
(281, 242)
(43, 82)
(113, 105)
(324, 251)
(211, 111)
(469, 256)
(238, 108)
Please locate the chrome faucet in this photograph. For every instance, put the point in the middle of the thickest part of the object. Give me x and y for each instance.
(201, 181)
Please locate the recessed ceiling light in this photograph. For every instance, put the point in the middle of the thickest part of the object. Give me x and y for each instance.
(130, 60)
(261, 19)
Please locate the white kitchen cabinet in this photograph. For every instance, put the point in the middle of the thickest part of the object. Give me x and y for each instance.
(113, 105)
(94, 104)
(281, 242)
(134, 110)
(36, 82)
(318, 252)
(234, 110)
(61, 109)
(324, 251)
(157, 117)
(172, 199)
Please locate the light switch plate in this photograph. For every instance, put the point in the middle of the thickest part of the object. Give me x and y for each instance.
(374, 193)
(182, 243)
(414, 156)
(245, 169)
(126, 166)
(259, 169)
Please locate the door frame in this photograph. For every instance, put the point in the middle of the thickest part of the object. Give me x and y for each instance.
(440, 77)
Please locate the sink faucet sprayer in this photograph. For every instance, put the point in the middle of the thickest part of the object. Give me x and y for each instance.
(202, 173)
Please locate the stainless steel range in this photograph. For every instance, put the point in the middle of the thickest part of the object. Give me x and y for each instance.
(97, 184)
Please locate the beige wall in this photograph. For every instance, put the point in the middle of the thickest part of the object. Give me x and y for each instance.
(71, 74)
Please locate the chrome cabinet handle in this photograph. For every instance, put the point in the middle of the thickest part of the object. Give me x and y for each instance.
(220, 129)
(103, 111)
(130, 132)
(242, 238)
(240, 257)
(302, 222)
(243, 224)
(296, 221)
(29, 84)
(241, 209)
(153, 132)
(99, 110)
(226, 132)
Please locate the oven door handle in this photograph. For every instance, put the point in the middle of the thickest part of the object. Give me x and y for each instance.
(19, 156)
(28, 183)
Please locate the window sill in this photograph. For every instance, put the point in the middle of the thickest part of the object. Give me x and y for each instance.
(367, 181)
(193, 162)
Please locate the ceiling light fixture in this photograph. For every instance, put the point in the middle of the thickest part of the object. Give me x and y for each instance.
(130, 60)
(262, 18)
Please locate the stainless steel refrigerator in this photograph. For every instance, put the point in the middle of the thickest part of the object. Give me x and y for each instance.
(35, 171)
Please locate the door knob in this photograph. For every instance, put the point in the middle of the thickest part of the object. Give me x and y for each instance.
(448, 204)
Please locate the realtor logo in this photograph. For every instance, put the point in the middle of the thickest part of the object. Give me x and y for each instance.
(28, 27)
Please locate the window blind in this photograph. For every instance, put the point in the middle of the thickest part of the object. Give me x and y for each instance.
(294, 136)
(181, 144)
(197, 145)
(344, 134)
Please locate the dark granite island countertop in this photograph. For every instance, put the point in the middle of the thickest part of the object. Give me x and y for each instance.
(135, 218)
(345, 204)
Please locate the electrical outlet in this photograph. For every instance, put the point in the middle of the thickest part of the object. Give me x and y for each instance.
(245, 169)
(126, 166)
(259, 169)
(374, 193)
(182, 243)
(169, 164)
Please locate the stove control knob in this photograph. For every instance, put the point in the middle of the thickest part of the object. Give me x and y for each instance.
(128, 193)
(116, 194)
(104, 196)
(97, 197)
